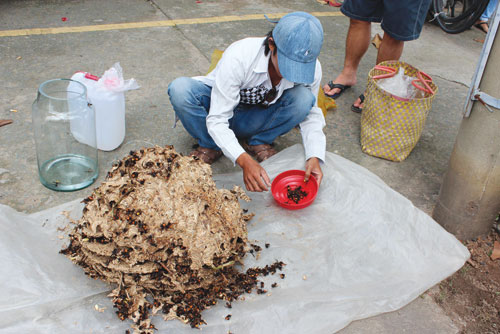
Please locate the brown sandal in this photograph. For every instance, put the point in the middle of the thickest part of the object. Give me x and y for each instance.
(207, 155)
(261, 152)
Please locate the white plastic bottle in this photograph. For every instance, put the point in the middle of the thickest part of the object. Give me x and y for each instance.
(109, 110)
(110, 118)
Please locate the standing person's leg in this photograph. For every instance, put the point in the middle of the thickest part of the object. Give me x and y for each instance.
(482, 23)
(361, 14)
(357, 42)
(390, 49)
(190, 99)
(490, 9)
(261, 126)
(402, 21)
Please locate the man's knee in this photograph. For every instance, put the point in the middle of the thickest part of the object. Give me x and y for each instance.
(305, 97)
(178, 88)
(303, 100)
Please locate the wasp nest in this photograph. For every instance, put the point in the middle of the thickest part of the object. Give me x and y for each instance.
(158, 227)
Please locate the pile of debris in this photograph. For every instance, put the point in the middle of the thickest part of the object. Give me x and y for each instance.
(161, 230)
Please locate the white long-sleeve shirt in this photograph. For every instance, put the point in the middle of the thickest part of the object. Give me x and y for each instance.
(243, 66)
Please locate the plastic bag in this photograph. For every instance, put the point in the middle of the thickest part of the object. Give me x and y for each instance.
(112, 80)
(399, 85)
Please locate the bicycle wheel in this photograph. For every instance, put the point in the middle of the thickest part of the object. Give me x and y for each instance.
(456, 16)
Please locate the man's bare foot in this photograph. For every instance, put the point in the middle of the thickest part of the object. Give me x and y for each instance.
(341, 80)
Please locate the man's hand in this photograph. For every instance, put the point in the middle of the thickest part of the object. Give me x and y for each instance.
(312, 167)
(254, 176)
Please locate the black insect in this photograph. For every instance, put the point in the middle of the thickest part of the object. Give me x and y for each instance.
(257, 248)
(129, 162)
(296, 194)
(88, 199)
(165, 226)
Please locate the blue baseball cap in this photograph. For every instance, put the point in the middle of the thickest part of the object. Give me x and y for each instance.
(298, 37)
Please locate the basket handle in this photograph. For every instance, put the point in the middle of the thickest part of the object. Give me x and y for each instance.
(391, 71)
(420, 78)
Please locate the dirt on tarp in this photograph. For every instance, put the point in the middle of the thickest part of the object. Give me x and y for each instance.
(472, 295)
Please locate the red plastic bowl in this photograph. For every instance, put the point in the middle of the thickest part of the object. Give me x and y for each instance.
(294, 178)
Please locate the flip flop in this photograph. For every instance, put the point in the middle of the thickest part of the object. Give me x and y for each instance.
(339, 86)
(334, 3)
(481, 26)
(358, 109)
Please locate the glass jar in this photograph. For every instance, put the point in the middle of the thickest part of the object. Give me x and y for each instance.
(65, 135)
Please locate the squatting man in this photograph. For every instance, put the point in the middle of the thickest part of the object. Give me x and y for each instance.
(261, 88)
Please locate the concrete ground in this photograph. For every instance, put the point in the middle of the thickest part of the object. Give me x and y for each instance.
(154, 56)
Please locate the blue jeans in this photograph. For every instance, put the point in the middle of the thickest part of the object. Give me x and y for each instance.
(190, 99)
(489, 10)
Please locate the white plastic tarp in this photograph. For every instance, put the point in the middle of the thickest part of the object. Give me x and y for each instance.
(359, 250)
